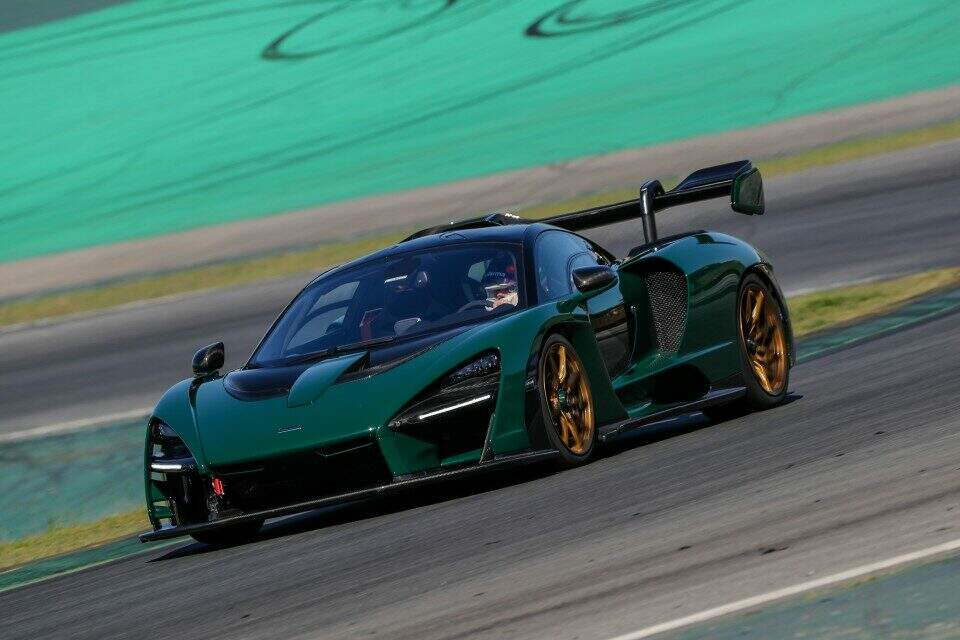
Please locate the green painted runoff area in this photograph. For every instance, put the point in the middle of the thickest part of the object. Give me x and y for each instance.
(72, 477)
(916, 602)
(152, 117)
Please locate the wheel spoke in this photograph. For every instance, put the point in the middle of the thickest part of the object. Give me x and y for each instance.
(563, 427)
(567, 430)
(572, 379)
(761, 375)
(757, 307)
(551, 368)
(580, 402)
(562, 363)
(574, 434)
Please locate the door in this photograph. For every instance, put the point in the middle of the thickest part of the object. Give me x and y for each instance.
(558, 253)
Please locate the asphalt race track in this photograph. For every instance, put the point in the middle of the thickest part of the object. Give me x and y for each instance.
(879, 217)
(862, 465)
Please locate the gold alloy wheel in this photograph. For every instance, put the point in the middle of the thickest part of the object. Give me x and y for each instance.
(568, 397)
(761, 328)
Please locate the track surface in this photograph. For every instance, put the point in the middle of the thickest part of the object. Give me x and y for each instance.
(879, 217)
(862, 465)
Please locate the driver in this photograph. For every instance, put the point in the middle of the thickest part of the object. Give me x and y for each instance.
(500, 284)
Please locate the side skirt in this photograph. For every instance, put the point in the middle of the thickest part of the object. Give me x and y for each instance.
(398, 485)
(713, 398)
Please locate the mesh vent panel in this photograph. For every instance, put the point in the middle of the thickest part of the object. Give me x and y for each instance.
(668, 302)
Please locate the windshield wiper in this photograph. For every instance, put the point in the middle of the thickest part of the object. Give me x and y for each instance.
(363, 344)
(332, 351)
(310, 357)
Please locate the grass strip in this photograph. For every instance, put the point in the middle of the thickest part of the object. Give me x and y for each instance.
(858, 148)
(60, 539)
(188, 280)
(307, 261)
(821, 310)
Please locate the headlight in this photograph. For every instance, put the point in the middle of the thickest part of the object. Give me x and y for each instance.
(484, 365)
(168, 453)
(176, 493)
(469, 387)
(162, 431)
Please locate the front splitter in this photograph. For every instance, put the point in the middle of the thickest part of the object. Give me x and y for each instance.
(396, 486)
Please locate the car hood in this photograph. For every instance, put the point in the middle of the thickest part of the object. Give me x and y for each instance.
(253, 414)
(303, 383)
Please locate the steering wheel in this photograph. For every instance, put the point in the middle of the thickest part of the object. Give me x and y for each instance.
(474, 304)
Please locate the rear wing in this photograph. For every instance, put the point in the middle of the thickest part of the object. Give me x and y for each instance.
(741, 181)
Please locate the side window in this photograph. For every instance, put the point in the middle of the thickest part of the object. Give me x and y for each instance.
(558, 253)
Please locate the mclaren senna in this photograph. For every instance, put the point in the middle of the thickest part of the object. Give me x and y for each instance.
(472, 346)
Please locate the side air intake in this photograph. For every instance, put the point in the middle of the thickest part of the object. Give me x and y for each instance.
(668, 304)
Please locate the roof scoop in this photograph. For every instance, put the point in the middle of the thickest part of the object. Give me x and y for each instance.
(740, 180)
(496, 219)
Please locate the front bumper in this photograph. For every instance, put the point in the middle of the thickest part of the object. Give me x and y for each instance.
(398, 485)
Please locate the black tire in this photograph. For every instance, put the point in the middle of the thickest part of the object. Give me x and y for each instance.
(571, 455)
(229, 535)
(760, 393)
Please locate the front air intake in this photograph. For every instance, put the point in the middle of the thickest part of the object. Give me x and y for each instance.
(347, 466)
(668, 305)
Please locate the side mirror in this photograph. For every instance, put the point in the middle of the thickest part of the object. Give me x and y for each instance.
(587, 279)
(746, 193)
(589, 282)
(209, 360)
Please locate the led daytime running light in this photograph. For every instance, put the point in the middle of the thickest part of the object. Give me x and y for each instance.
(459, 405)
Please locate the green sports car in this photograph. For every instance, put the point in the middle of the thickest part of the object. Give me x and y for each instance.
(473, 346)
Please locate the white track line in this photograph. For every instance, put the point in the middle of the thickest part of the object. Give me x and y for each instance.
(73, 425)
(748, 603)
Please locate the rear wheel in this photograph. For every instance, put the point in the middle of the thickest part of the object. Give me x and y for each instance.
(232, 534)
(567, 402)
(764, 354)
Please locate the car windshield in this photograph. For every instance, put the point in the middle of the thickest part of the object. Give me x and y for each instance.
(395, 297)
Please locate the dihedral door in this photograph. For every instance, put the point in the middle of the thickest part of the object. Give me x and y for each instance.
(558, 254)
(613, 328)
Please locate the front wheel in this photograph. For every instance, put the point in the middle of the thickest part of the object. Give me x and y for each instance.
(567, 402)
(764, 354)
